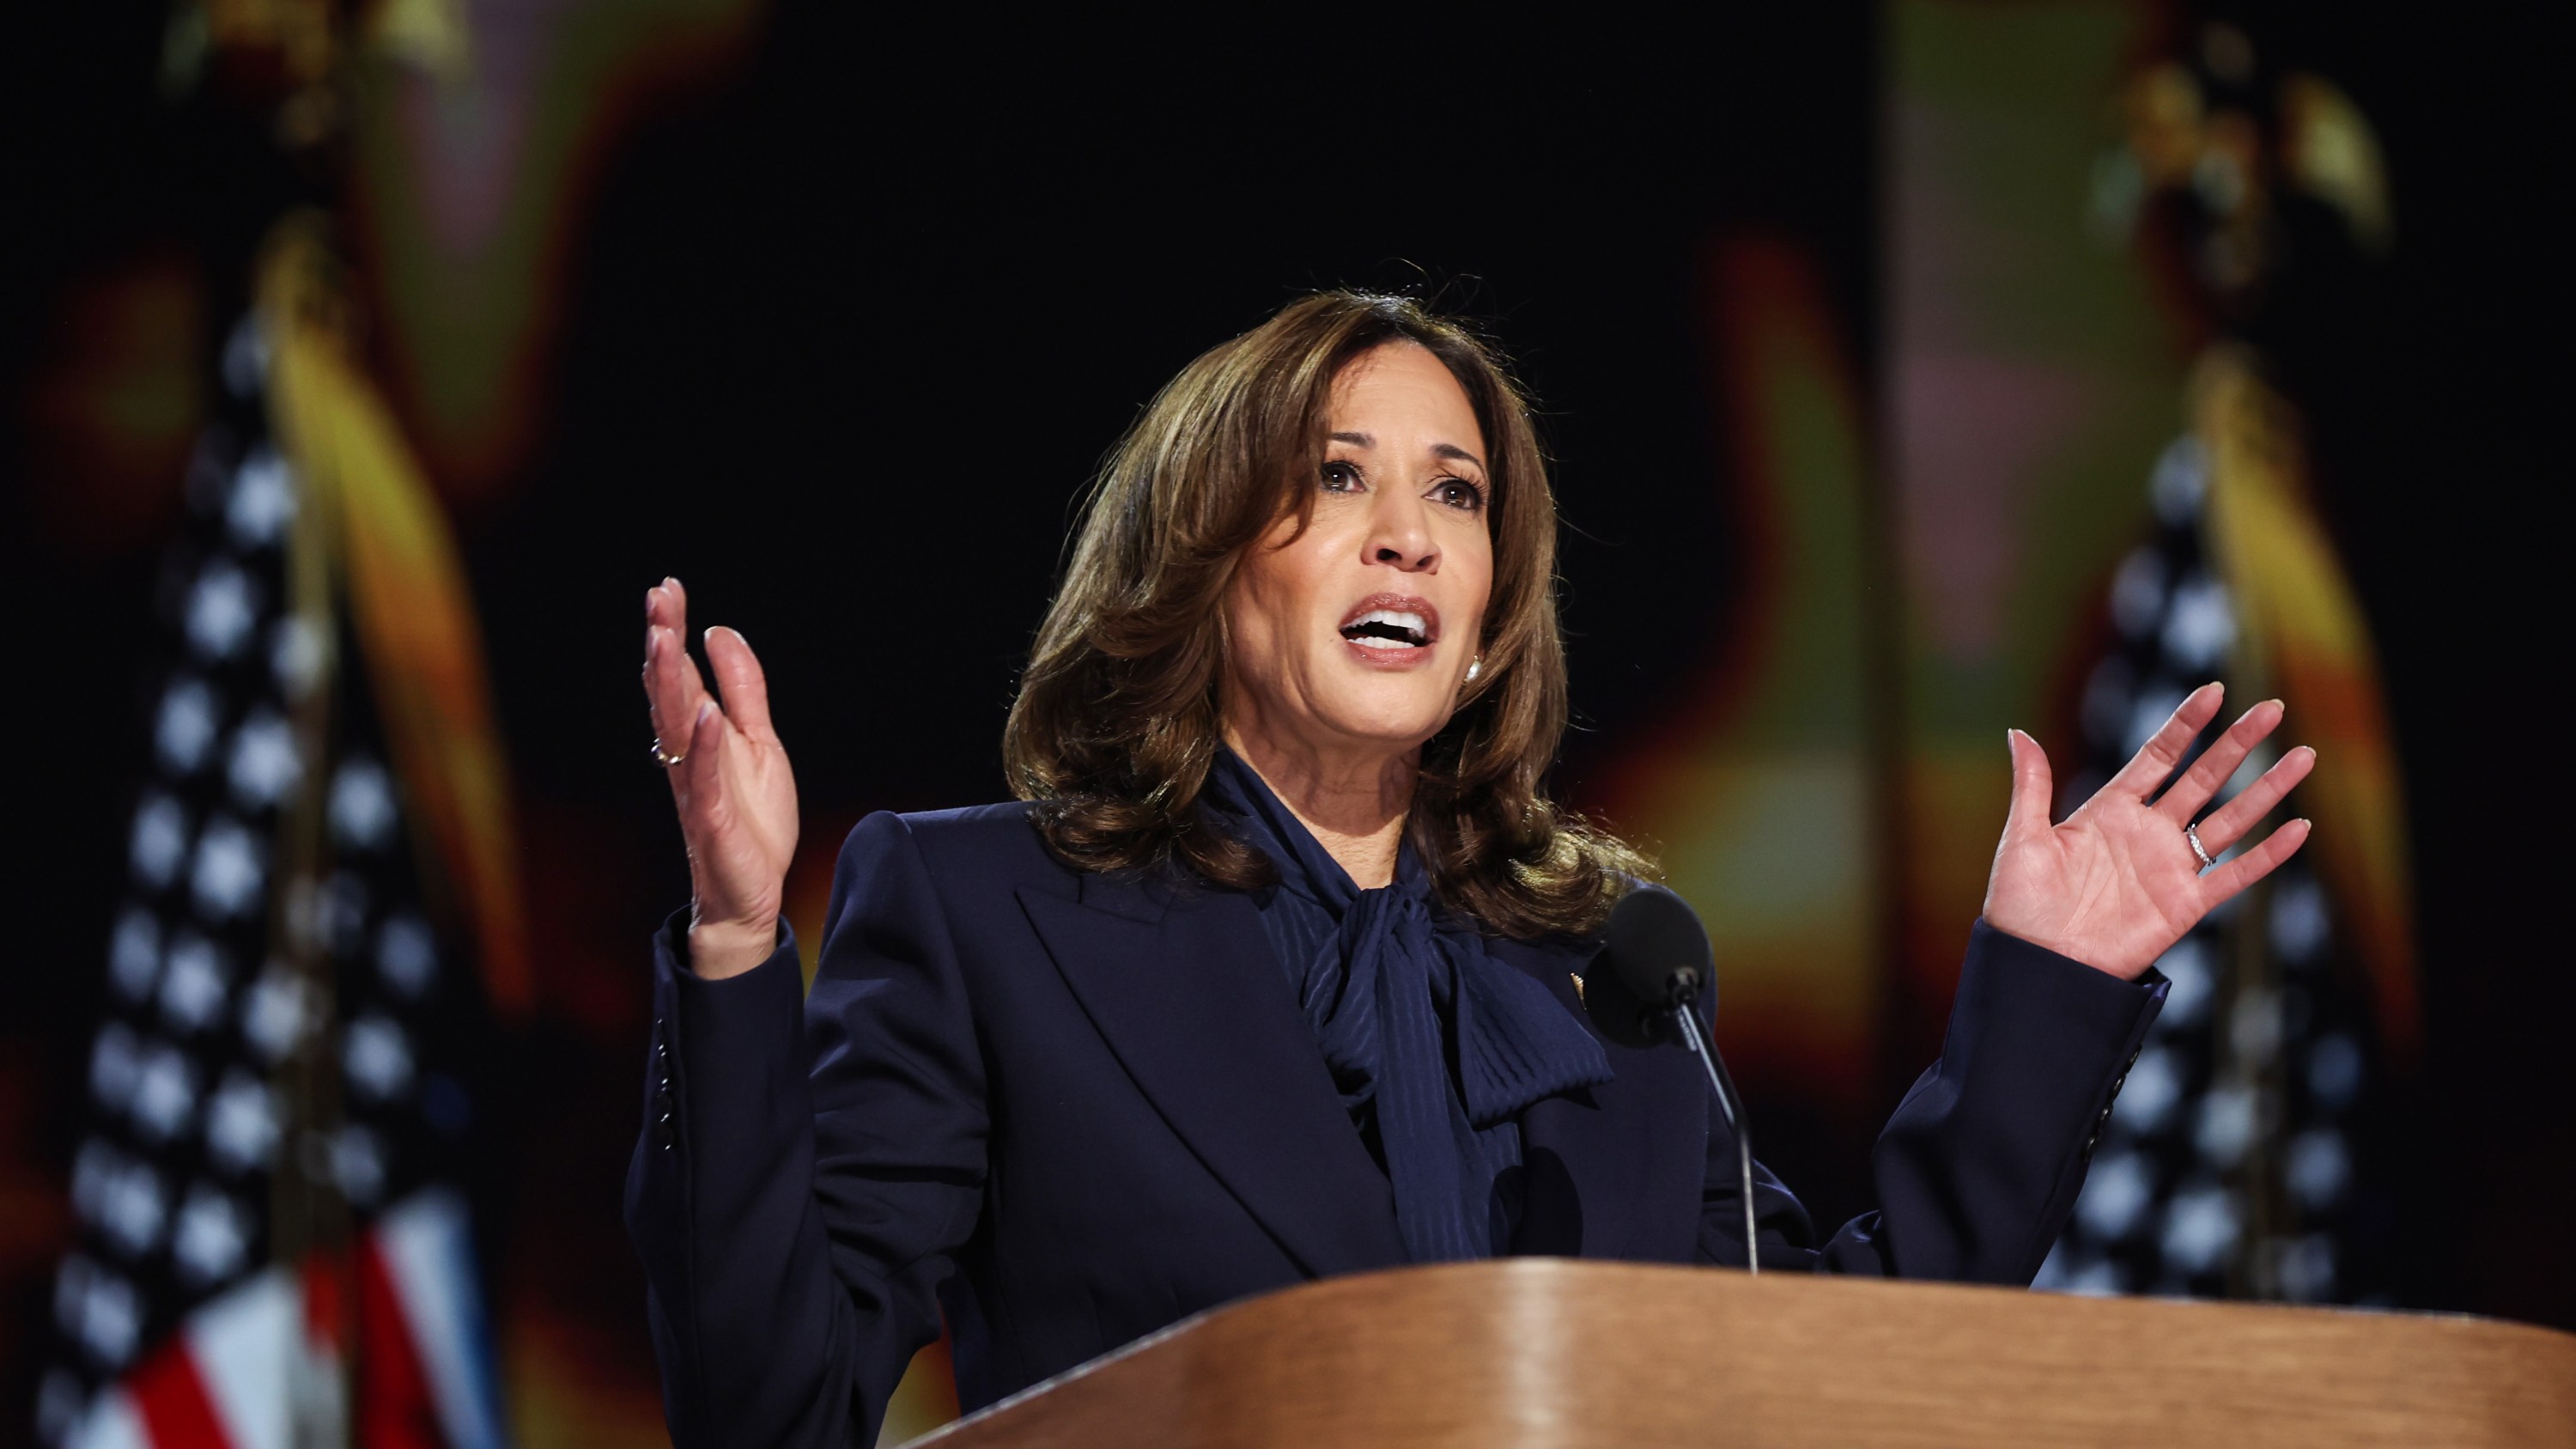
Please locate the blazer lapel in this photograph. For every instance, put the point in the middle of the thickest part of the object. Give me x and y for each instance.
(1613, 1170)
(1186, 991)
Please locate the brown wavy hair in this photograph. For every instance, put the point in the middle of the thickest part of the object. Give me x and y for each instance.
(1116, 723)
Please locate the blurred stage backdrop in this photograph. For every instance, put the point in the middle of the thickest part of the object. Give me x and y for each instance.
(1914, 370)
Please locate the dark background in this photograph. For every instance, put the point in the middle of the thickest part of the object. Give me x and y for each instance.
(846, 329)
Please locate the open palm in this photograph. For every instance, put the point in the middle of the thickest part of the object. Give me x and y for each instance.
(2117, 884)
(730, 778)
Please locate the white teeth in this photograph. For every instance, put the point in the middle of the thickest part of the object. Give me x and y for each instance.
(1389, 616)
(1415, 629)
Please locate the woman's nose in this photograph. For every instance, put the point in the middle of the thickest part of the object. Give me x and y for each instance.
(1399, 537)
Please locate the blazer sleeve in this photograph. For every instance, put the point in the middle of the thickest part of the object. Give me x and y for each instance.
(798, 1194)
(1978, 1169)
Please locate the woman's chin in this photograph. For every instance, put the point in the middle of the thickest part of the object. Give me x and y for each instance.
(1392, 725)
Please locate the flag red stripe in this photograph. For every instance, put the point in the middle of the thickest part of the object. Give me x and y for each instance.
(170, 1397)
(395, 1407)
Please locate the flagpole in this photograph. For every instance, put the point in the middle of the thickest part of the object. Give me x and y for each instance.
(310, 1225)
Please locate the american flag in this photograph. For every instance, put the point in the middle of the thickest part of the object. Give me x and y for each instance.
(2245, 1156)
(271, 1244)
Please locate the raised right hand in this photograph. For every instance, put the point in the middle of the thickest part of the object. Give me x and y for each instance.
(730, 779)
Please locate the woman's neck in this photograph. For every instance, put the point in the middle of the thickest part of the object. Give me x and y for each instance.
(1354, 804)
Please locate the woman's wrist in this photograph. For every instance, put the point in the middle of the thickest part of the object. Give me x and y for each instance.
(718, 949)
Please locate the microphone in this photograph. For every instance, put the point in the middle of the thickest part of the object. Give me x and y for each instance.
(1653, 967)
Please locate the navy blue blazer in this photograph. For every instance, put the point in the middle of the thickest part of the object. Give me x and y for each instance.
(1069, 1109)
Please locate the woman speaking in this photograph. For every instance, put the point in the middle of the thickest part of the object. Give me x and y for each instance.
(1270, 972)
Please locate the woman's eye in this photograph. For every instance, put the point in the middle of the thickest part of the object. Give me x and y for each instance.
(1340, 477)
(1459, 493)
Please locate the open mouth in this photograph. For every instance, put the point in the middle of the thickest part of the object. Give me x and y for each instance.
(1388, 622)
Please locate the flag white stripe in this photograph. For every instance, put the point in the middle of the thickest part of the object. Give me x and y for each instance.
(430, 1259)
(247, 1343)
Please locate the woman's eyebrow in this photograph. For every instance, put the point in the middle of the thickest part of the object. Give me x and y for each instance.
(1438, 450)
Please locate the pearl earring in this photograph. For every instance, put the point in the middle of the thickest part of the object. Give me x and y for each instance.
(1475, 667)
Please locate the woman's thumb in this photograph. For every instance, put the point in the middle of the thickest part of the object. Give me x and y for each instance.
(2032, 785)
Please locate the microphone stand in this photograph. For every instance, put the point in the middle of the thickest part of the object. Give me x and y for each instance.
(1684, 996)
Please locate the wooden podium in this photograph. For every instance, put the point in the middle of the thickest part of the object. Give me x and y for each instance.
(1538, 1351)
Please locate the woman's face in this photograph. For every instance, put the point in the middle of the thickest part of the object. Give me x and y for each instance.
(1356, 634)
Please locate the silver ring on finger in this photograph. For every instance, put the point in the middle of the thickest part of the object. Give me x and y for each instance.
(662, 759)
(2192, 833)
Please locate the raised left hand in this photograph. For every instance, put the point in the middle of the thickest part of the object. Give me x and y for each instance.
(2116, 884)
